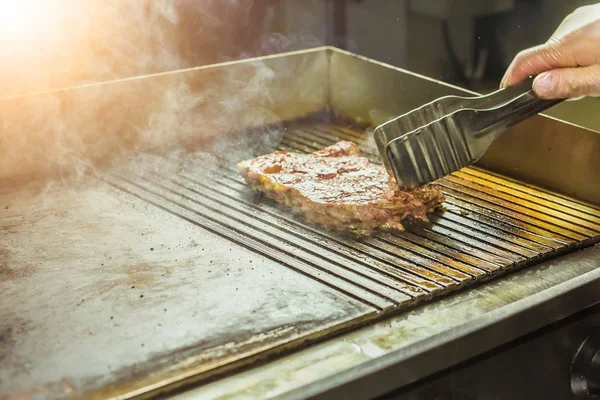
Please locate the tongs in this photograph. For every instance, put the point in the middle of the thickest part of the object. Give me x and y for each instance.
(452, 132)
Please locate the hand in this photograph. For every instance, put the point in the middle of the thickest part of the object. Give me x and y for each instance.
(568, 64)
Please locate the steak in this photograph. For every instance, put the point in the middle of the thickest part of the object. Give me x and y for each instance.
(337, 189)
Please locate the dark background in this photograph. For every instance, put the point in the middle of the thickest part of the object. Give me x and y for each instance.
(465, 42)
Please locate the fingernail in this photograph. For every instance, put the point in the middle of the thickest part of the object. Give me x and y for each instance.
(544, 84)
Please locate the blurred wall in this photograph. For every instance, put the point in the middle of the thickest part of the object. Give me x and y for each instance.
(388, 31)
(78, 41)
(378, 30)
(532, 23)
(59, 43)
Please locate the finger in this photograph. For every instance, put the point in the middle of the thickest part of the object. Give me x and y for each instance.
(554, 54)
(523, 66)
(566, 83)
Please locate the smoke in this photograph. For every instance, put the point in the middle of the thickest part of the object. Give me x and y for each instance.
(76, 132)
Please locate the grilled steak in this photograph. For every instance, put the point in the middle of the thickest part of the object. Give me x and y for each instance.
(338, 189)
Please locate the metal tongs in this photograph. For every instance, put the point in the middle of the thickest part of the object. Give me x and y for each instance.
(452, 132)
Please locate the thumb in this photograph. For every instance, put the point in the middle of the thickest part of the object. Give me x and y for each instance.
(566, 83)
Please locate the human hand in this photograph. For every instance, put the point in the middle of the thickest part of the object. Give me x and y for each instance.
(568, 64)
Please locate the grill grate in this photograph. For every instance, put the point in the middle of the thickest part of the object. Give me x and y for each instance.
(492, 225)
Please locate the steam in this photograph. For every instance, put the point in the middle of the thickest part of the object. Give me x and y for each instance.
(76, 132)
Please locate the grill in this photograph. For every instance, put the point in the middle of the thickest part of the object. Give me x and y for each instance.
(491, 225)
(166, 270)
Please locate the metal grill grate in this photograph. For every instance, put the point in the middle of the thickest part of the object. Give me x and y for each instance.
(492, 225)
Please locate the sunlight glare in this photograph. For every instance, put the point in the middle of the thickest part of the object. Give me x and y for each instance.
(26, 19)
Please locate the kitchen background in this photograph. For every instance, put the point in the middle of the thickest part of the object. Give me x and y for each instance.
(58, 43)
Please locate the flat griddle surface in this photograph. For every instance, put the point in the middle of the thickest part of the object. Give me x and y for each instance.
(165, 270)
